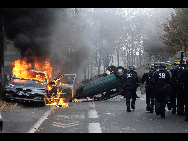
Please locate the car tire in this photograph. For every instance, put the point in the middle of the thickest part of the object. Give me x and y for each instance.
(111, 69)
(119, 72)
(43, 104)
(5, 98)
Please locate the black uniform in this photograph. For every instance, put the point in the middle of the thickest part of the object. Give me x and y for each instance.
(174, 88)
(180, 94)
(130, 80)
(160, 80)
(183, 77)
(147, 76)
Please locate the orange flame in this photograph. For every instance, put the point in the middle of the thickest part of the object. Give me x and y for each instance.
(21, 69)
(55, 99)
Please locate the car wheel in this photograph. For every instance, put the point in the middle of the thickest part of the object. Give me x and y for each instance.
(5, 98)
(119, 72)
(43, 104)
(111, 69)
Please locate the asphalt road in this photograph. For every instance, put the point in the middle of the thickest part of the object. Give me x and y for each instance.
(20, 120)
(108, 116)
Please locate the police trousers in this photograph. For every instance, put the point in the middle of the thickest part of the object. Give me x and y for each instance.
(149, 96)
(186, 100)
(180, 98)
(130, 94)
(160, 97)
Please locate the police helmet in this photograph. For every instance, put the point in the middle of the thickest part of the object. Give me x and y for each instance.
(168, 63)
(184, 65)
(132, 67)
(162, 66)
(151, 67)
(184, 59)
(156, 65)
(176, 62)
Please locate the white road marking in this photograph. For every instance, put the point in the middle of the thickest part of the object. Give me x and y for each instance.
(92, 114)
(41, 120)
(94, 128)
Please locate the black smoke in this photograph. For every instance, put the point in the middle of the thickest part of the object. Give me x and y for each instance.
(56, 34)
(30, 30)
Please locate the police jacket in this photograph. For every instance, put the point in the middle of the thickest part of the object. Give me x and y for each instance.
(183, 76)
(130, 78)
(147, 76)
(161, 78)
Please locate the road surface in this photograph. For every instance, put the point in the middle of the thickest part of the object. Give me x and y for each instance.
(108, 116)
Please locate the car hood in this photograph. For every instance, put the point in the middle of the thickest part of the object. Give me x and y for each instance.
(31, 85)
(25, 84)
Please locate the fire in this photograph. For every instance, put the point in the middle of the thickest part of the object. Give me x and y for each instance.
(58, 102)
(73, 92)
(21, 69)
(55, 99)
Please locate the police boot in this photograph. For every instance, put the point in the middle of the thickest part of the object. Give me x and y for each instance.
(148, 107)
(169, 106)
(151, 109)
(128, 109)
(132, 106)
(158, 110)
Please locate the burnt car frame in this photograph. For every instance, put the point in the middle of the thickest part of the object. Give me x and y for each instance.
(26, 90)
(64, 89)
(29, 90)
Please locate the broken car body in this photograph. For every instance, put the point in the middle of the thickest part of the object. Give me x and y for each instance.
(30, 90)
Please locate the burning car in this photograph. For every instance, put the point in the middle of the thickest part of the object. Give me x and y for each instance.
(31, 90)
(28, 85)
(60, 89)
(27, 90)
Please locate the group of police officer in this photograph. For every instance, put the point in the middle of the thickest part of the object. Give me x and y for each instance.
(166, 84)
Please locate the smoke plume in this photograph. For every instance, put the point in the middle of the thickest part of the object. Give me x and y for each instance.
(48, 33)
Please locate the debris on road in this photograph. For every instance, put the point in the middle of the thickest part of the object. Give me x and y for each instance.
(6, 105)
(82, 99)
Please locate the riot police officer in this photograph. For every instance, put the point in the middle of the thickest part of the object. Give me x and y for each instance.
(168, 100)
(160, 80)
(183, 77)
(181, 88)
(156, 66)
(147, 76)
(174, 85)
(130, 80)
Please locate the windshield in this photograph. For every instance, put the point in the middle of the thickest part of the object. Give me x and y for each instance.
(25, 83)
(31, 75)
